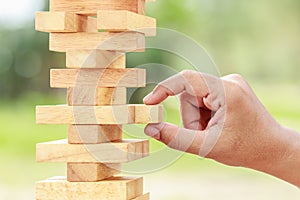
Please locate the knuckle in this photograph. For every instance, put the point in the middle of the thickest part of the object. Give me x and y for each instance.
(187, 73)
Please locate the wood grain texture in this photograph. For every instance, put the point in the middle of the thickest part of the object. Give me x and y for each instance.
(143, 197)
(91, 172)
(61, 114)
(114, 152)
(61, 22)
(64, 78)
(90, 7)
(145, 114)
(119, 114)
(93, 58)
(94, 134)
(116, 20)
(116, 188)
(123, 42)
(89, 96)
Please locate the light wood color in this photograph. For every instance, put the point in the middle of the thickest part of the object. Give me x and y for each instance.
(94, 134)
(116, 188)
(116, 20)
(89, 96)
(90, 7)
(62, 114)
(148, 114)
(143, 197)
(115, 152)
(64, 22)
(123, 42)
(130, 77)
(119, 114)
(93, 58)
(91, 172)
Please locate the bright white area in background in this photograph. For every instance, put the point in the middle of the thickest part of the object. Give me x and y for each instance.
(14, 13)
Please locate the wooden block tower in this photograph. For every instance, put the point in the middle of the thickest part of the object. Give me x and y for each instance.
(95, 34)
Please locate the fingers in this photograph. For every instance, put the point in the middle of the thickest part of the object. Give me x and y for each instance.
(192, 82)
(190, 112)
(182, 139)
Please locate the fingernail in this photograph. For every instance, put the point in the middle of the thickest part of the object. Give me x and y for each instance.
(148, 98)
(152, 131)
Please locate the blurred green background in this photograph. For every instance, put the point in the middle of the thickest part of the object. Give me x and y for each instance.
(258, 39)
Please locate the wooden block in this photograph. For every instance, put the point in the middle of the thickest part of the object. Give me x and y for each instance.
(116, 20)
(143, 197)
(119, 114)
(91, 172)
(116, 188)
(94, 134)
(64, 22)
(93, 58)
(90, 7)
(89, 96)
(64, 78)
(115, 152)
(124, 42)
(148, 114)
(61, 114)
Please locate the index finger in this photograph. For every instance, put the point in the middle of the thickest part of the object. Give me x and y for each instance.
(194, 83)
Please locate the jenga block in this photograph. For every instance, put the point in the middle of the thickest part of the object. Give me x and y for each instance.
(91, 96)
(143, 197)
(116, 188)
(145, 114)
(116, 20)
(124, 42)
(93, 58)
(94, 134)
(91, 172)
(115, 152)
(119, 114)
(90, 7)
(64, 78)
(64, 22)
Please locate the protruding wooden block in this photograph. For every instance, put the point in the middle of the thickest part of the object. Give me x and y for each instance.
(116, 20)
(90, 7)
(64, 78)
(89, 96)
(114, 152)
(143, 197)
(123, 42)
(91, 172)
(64, 22)
(116, 188)
(93, 58)
(94, 134)
(145, 114)
(61, 114)
(119, 114)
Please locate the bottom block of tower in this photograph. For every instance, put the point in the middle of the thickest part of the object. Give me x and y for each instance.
(91, 172)
(143, 197)
(116, 188)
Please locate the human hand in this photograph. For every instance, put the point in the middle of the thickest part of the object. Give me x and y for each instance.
(223, 120)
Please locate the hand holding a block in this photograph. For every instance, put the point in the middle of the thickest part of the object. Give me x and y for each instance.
(225, 121)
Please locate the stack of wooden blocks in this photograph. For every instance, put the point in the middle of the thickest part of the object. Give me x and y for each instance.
(95, 34)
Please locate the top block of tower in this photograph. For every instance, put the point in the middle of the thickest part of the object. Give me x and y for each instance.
(91, 7)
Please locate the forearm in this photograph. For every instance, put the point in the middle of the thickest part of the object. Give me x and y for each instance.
(287, 165)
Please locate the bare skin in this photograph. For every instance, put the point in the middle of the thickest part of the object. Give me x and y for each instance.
(224, 120)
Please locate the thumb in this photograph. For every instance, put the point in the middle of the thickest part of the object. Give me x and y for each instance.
(182, 139)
